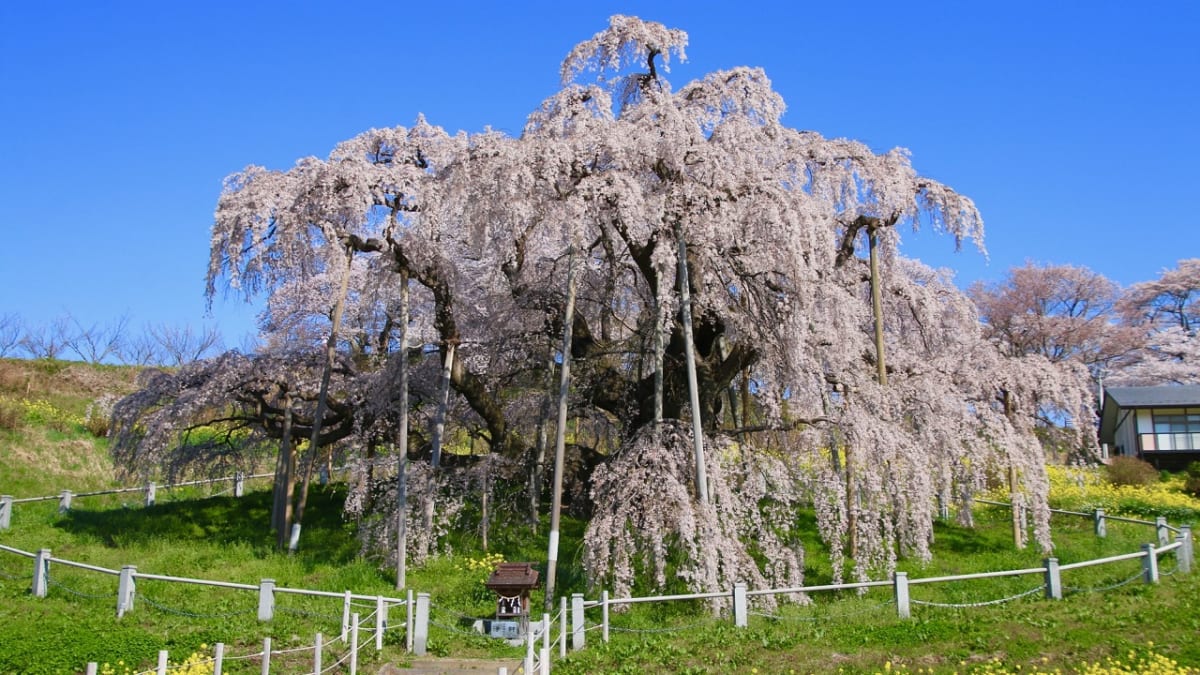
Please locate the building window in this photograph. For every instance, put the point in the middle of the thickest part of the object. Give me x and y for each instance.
(1177, 429)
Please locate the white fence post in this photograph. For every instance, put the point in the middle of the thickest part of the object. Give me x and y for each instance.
(92, 668)
(1101, 526)
(218, 658)
(239, 484)
(562, 627)
(266, 654)
(266, 600)
(527, 666)
(1150, 564)
(1053, 580)
(577, 635)
(346, 615)
(380, 621)
(900, 584)
(126, 588)
(64, 501)
(544, 654)
(1185, 550)
(5, 511)
(354, 644)
(150, 493)
(162, 662)
(421, 629)
(739, 605)
(1164, 533)
(604, 614)
(408, 621)
(41, 573)
(317, 647)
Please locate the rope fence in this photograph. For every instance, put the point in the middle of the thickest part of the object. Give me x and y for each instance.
(357, 628)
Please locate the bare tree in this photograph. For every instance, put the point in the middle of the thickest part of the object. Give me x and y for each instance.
(185, 344)
(48, 340)
(142, 349)
(11, 330)
(96, 342)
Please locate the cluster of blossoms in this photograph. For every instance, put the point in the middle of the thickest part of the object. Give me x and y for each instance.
(700, 237)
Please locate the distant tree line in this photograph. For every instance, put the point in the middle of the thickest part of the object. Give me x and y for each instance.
(116, 341)
(1145, 334)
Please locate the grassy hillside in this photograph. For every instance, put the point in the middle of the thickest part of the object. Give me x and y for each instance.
(53, 416)
(48, 444)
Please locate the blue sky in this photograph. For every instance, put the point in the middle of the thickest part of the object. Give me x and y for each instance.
(1072, 124)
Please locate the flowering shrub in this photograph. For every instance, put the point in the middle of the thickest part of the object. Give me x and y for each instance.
(42, 412)
(196, 664)
(1085, 489)
(1135, 662)
(481, 568)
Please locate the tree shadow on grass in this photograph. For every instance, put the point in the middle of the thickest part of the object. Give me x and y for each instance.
(222, 520)
(958, 539)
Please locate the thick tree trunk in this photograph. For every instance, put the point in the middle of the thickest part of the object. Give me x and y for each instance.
(560, 433)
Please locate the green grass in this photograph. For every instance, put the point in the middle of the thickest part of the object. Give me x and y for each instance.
(189, 533)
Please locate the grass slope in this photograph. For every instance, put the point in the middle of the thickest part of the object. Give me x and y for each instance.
(191, 533)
